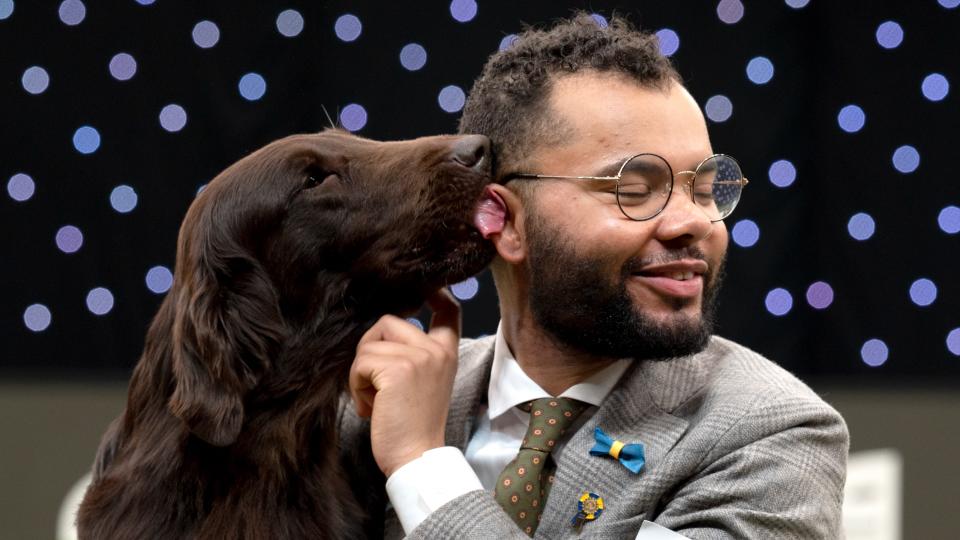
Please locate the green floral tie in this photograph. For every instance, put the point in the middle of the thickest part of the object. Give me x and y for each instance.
(524, 484)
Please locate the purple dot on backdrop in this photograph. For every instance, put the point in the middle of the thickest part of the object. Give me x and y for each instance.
(507, 41)
(949, 4)
(413, 56)
(206, 34)
(159, 279)
(935, 87)
(719, 108)
(874, 352)
(465, 290)
(20, 187)
(353, 117)
(72, 12)
(906, 159)
(779, 302)
(123, 199)
(290, 23)
(36, 317)
(797, 4)
(416, 322)
(820, 295)
(145, 2)
(953, 341)
(949, 220)
(600, 20)
(69, 239)
(889, 35)
(123, 67)
(201, 188)
(851, 118)
(730, 11)
(35, 80)
(669, 41)
(86, 139)
(861, 226)
(173, 118)
(348, 27)
(6, 9)
(760, 70)
(99, 301)
(746, 233)
(782, 173)
(463, 10)
(451, 98)
(252, 86)
(923, 292)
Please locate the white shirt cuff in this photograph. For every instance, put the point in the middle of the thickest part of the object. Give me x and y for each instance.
(428, 482)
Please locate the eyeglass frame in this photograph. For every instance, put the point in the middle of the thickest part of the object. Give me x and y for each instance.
(743, 181)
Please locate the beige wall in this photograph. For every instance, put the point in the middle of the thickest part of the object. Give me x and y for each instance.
(50, 431)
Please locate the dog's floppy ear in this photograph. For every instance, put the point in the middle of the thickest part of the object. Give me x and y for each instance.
(227, 330)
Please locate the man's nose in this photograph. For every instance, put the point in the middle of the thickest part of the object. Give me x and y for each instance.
(682, 218)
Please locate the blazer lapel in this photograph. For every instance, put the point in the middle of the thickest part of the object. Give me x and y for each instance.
(469, 390)
(638, 410)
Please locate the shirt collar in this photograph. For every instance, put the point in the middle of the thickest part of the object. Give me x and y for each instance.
(510, 386)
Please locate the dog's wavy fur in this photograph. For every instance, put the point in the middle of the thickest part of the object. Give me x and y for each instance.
(283, 261)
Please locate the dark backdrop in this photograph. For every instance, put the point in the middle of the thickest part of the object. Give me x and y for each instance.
(792, 230)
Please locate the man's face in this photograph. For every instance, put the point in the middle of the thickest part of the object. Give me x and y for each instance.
(600, 282)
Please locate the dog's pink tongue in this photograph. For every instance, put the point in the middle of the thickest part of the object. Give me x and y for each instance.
(490, 214)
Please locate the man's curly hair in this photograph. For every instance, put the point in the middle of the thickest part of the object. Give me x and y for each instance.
(509, 101)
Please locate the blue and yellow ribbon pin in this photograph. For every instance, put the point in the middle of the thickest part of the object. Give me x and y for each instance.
(589, 508)
(630, 455)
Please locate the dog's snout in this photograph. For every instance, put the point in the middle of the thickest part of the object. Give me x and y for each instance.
(472, 151)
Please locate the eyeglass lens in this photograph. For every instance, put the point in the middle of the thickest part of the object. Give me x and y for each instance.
(646, 180)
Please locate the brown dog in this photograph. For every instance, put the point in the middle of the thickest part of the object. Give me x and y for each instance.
(283, 262)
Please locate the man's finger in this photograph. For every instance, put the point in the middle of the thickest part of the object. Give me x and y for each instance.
(445, 322)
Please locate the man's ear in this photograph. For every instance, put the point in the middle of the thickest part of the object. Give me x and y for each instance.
(510, 242)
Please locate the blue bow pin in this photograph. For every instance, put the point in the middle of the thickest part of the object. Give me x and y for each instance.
(630, 455)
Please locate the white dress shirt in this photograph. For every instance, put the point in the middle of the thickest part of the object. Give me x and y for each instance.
(443, 474)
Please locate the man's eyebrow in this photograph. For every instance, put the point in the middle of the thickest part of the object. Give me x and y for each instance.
(610, 168)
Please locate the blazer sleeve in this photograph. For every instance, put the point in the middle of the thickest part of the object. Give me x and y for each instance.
(471, 516)
(776, 473)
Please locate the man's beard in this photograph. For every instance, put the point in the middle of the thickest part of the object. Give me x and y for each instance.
(577, 304)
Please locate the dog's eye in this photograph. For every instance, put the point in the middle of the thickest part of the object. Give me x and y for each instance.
(315, 177)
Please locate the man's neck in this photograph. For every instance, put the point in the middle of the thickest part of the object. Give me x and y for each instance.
(552, 365)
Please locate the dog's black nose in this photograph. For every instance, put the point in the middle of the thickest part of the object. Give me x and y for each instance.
(472, 151)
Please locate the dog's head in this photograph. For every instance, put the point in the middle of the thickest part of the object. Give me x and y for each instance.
(306, 224)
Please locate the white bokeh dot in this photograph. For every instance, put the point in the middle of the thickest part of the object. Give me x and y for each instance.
(782, 173)
(206, 34)
(906, 159)
(100, 301)
(416, 322)
(779, 302)
(861, 226)
(463, 10)
(252, 86)
(123, 199)
(600, 20)
(760, 70)
(6, 9)
(935, 87)
(21, 187)
(159, 279)
(86, 139)
(953, 341)
(348, 27)
(507, 41)
(874, 352)
(413, 56)
(797, 4)
(923, 292)
(35, 80)
(730, 11)
(719, 108)
(72, 12)
(820, 295)
(746, 233)
(173, 118)
(123, 66)
(669, 41)
(451, 98)
(69, 239)
(37, 317)
(949, 4)
(466, 289)
(353, 117)
(290, 23)
(949, 219)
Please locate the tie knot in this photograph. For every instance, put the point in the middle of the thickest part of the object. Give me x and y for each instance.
(549, 419)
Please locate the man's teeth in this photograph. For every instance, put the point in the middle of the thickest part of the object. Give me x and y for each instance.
(681, 276)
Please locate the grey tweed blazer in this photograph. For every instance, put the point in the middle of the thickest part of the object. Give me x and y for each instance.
(736, 447)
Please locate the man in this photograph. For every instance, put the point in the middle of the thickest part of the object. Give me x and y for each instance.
(610, 241)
